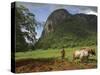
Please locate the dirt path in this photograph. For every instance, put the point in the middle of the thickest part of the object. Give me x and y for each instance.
(41, 65)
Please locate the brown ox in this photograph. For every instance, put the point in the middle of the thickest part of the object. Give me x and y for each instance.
(83, 54)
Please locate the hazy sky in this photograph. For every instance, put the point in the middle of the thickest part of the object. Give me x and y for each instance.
(42, 11)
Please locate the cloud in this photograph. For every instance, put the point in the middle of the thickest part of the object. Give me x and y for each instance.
(89, 12)
(73, 9)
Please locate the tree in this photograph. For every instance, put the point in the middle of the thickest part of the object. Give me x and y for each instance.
(25, 28)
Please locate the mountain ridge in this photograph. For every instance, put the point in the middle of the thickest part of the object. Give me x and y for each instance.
(68, 30)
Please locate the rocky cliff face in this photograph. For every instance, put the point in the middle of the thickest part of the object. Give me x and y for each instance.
(63, 29)
(56, 18)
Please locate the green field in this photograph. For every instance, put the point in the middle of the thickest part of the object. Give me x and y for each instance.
(49, 53)
(50, 60)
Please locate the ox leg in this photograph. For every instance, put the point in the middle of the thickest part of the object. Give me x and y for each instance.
(82, 59)
(87, 59)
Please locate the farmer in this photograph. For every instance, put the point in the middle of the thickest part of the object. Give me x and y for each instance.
(62, 53)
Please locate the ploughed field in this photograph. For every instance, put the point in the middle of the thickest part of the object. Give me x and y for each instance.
(50, 60)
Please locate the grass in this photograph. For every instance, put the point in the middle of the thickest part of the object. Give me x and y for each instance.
(38, 54)
(49, 53)
(50, 60)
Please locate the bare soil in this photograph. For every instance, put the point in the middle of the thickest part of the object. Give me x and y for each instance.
(43, 65)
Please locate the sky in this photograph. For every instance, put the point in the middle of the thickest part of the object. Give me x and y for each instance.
(42, 11)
